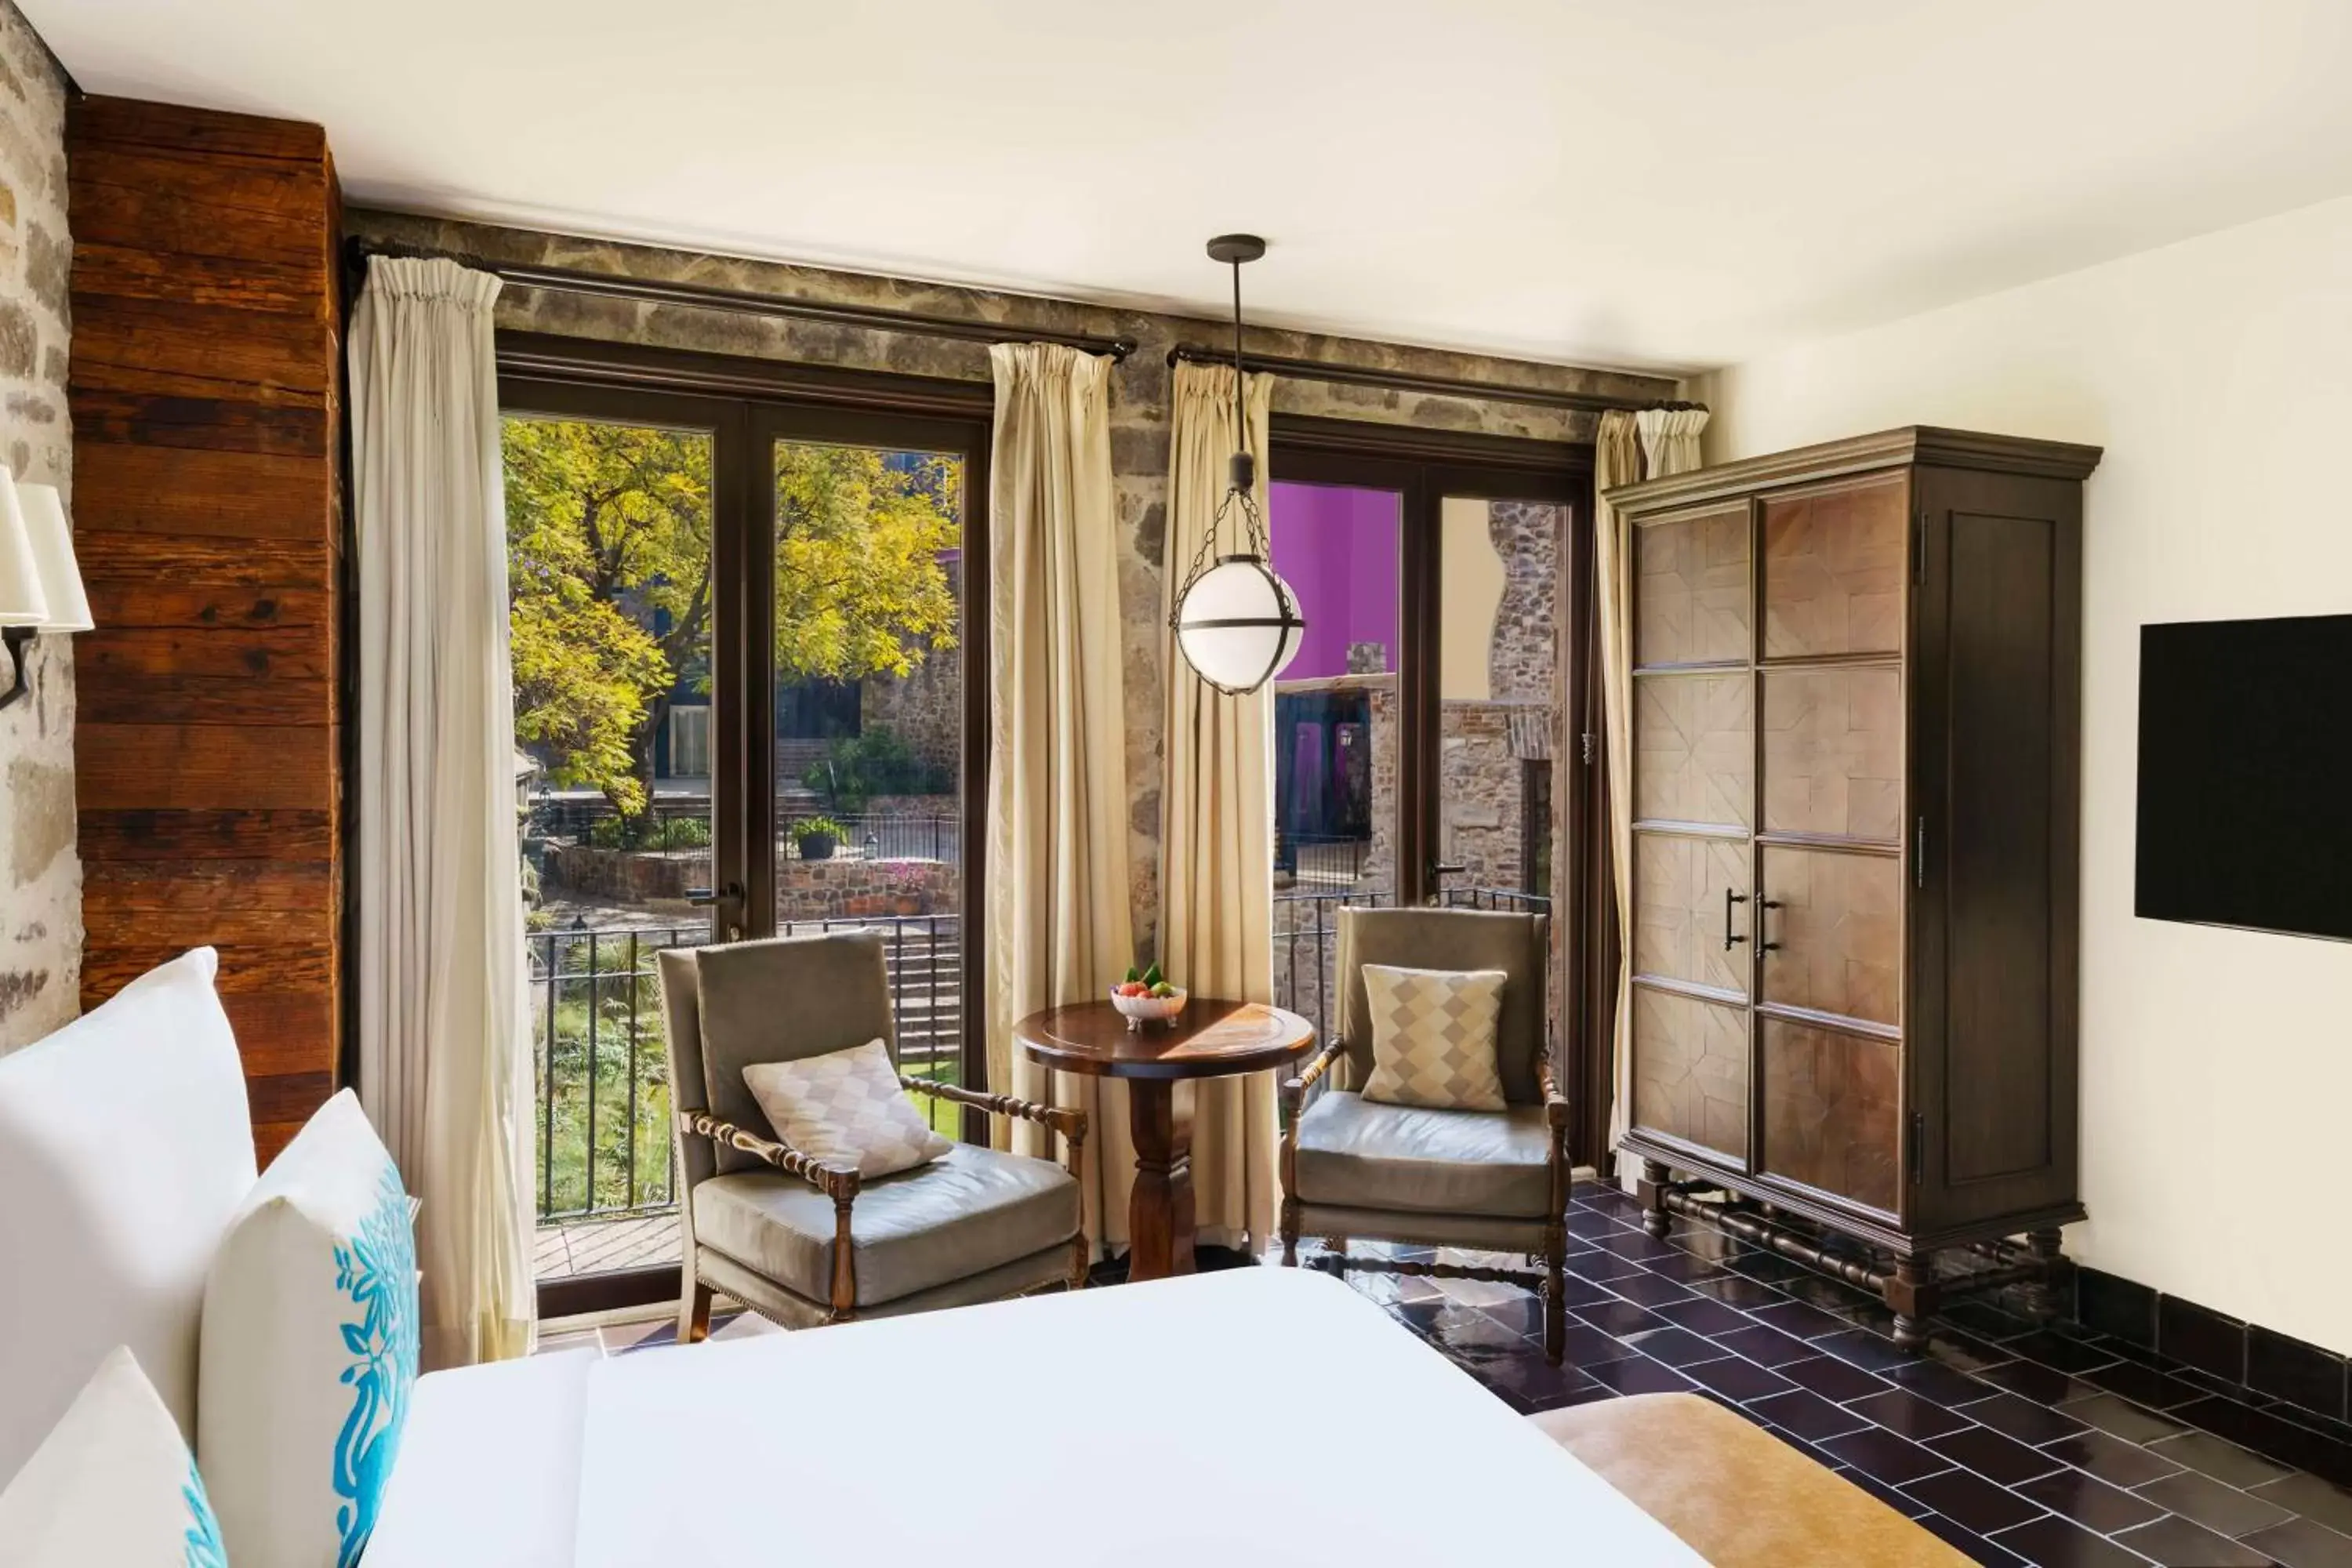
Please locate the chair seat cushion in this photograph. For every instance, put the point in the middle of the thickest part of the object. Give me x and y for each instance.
(970, 1210)
(1735, 1494)
(1355, 1153)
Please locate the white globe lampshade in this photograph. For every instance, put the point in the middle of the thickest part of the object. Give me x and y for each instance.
(1239, 624)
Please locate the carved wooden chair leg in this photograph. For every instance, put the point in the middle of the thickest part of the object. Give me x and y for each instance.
(1290, 1233)
(694, 1310)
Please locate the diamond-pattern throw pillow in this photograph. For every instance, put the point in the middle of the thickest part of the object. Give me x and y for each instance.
(845, 1109)
(1434, 1036)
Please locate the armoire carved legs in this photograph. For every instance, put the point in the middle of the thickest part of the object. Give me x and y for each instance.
(1911, 1293)
(1649, 1191)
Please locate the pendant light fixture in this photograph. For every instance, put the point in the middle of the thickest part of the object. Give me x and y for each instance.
(1236, 622)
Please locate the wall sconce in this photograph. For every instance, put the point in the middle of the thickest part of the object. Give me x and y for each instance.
(40, 585)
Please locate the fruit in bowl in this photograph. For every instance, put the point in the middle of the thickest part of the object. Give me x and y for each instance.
(1145, 996)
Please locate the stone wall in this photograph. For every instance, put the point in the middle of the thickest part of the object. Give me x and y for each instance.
(40, 874)
(924, 708)
(1521, 661)
(838, 889)
(1139, 400)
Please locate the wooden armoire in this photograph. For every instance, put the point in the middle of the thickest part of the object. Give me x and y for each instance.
(1855, 787)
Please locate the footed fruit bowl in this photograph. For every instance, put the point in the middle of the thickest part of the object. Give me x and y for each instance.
(1140, 1010)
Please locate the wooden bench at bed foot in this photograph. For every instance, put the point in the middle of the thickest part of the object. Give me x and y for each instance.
(1736, 1495)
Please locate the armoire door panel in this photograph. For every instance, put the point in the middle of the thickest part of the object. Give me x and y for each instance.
(1996, 855)
(1833, 751)
(1694, 749)
(1833, 1111)
(1834, 570)
(1690, 1070)
(1692, 602)
(1689, 895)
(1832, 923)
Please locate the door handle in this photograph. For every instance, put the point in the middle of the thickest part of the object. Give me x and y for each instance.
(1762, 904)
(732, 893)
(1730, 898)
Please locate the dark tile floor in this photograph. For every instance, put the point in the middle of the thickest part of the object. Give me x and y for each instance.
(2017, 1441)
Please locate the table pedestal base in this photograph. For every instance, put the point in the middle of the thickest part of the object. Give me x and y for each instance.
(1159, 1220)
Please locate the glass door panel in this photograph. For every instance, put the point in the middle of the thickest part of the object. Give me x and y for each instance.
(1831, 1105)
(1690, 1070)
(609, 540)
(1336, 726)
(1500, 719)
(1832, 923)
(1833, 567)
(869, 619)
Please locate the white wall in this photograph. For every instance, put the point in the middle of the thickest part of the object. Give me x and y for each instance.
(2217, 1065)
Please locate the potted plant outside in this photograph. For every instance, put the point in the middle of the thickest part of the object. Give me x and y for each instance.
(817, 837)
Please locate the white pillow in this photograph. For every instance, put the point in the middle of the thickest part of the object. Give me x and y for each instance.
(125, 1146)
(1434, 1036)
(309, 1347)
(112, 1486)
(846, 1109)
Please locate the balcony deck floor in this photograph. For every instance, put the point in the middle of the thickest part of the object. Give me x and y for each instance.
(564, 1249)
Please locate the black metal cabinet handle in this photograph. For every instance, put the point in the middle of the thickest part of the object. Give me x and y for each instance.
(1730, 898)
(1765, 904)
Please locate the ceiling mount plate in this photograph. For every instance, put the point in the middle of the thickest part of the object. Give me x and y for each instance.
(1228, 248)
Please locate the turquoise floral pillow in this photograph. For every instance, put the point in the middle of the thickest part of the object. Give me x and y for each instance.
(309, 1348)
(112, 1483)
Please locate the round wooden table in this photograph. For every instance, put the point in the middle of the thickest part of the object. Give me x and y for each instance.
(1209, 1039)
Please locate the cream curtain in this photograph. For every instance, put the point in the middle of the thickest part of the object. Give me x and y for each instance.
(445, 1065)
(1060, 928)
(1216, 917)
(1669, 440)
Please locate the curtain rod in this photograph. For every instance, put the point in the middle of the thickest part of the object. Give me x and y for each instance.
(1406, 381)
(709, 297)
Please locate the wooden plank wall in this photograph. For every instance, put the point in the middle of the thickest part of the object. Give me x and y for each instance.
(207, 412)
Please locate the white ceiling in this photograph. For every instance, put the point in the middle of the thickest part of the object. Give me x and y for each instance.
(1654, 182)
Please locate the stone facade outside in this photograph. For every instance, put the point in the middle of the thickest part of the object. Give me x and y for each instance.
(40, 873)
(806, 889)
(924, 708)
(1140, 401)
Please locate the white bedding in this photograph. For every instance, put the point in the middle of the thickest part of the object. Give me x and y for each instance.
(1232, 1419)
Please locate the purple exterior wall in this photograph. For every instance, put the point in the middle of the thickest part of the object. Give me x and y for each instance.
(1338, 550)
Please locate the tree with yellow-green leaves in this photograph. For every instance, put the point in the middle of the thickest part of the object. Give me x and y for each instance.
(608, 557)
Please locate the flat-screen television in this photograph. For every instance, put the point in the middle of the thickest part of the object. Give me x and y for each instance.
(2245, 774)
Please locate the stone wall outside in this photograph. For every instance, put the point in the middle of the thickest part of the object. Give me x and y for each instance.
(40, 873)
(1141, 394)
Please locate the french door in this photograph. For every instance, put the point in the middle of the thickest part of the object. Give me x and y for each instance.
(749, 644)
(1429, 738)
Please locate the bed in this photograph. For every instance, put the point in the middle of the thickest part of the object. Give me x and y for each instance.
(1250, 1416)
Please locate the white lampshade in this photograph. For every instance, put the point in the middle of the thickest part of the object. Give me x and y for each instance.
(22, 601)
(53, 556)
(1239, 626)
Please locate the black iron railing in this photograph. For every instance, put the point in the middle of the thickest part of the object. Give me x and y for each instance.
(605, 1125)
(681, 825)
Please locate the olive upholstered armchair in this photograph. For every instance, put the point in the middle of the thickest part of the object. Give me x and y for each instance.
(1494, 1181)
(803, 1243)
